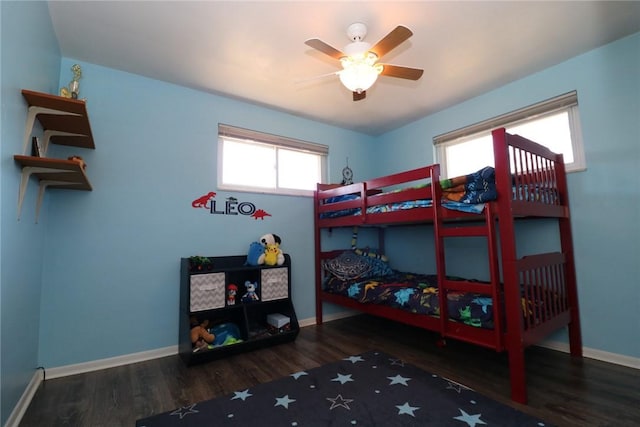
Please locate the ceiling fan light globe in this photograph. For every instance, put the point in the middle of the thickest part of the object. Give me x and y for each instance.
(358, 76)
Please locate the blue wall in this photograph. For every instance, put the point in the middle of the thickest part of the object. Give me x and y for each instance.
(111, 270)
(30, 59)
(605, 199)
(99, 273)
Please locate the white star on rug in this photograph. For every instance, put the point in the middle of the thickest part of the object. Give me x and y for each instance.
(398, 379)
(398, 362)
(284, 401)
(343, 378)
(297, 375)
(241, 395)
(339, 401)
(354, 359)
(407, 409)
(185, 410)
(471, 420)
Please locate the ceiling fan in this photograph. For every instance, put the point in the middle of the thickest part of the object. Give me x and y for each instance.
(359, 60)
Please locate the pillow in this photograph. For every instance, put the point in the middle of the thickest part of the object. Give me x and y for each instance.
(379, 268)
(376, 260)
(348, 265)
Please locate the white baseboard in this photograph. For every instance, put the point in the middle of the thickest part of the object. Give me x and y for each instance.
(25, 400)
(95, 365)
(592, 353)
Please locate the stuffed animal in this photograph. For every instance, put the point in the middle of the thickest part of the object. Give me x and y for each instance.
(272, 253)
(254, 255)
(200, 336)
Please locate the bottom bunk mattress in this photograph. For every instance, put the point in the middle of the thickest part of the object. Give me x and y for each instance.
(416, 293)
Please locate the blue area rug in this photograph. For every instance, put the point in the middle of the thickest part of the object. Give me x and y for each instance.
(370, 389)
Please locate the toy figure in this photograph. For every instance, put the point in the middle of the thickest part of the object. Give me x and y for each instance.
(250, 295)
(232, 290)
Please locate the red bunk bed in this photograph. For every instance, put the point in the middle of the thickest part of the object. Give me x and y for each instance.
(526, 298)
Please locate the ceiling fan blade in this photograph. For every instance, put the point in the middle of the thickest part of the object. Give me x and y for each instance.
(401, 72)
(318, 77)
(359, 96)
(391, 40)
(324, 48)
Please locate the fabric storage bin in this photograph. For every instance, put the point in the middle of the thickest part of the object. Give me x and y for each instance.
(207, 291)
(274, 283)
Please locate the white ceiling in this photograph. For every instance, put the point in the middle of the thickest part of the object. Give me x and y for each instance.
(255, 51)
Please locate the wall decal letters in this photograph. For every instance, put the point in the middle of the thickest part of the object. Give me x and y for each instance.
(230, 206)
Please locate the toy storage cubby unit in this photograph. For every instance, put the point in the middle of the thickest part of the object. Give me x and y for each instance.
(204, 295)
(65, 122)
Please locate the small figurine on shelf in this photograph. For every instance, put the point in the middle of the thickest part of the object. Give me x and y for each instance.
(79, 160)
(74, 86)
(251, 294)
(232, 291)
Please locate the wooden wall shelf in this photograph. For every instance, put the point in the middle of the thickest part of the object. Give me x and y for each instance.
(65, 121)
(59, 173)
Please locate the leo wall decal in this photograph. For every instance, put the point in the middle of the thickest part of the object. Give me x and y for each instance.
(230, 206)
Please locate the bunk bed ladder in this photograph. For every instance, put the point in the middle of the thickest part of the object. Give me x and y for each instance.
(486, 229)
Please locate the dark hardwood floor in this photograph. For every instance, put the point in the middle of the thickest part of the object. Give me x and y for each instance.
(562, 390)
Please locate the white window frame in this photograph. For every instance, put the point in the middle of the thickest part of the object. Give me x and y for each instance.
(276, 142)
(567, 102)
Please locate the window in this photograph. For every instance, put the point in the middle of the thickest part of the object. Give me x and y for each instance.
(554, 123)
(266, 163)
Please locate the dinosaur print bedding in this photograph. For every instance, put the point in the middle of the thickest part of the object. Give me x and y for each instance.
(467, 193)
(417, 293)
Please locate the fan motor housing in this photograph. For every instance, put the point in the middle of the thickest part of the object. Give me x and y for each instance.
(356, 31)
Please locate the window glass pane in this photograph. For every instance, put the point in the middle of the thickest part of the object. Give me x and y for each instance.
(552, 131)
(277, 165)
(248, 164)
(473, 153)
(469, 156)
(298, 170)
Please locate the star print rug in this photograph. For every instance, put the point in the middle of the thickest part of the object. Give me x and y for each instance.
(370, 389)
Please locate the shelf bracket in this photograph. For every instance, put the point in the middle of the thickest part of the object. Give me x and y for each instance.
(43, 186)
(31, 118)
(49, 133)
(27, 171)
